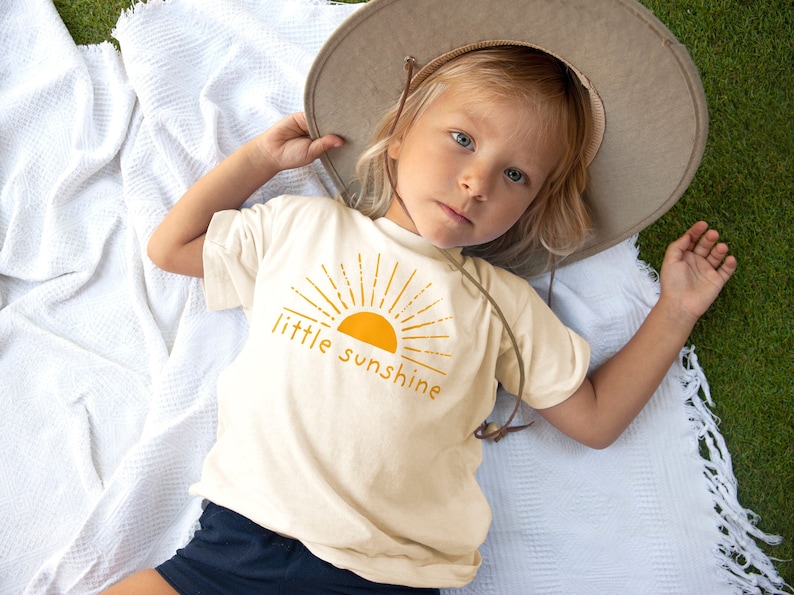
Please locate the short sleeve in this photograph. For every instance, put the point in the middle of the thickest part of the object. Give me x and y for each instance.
(235, 244)
(555, 358)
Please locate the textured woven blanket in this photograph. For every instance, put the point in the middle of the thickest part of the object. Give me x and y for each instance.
(108, 365)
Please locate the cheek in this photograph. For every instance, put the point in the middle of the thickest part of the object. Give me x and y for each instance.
(508, 222)
(418, 167)
(511, 216)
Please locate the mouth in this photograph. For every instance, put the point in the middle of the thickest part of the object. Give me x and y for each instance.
(454, 215)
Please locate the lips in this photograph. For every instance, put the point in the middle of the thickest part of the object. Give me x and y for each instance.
(454, 215)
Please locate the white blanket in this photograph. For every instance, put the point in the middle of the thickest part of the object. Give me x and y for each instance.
(108, 365)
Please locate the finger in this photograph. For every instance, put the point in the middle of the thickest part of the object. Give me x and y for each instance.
(717, 254)
(323, 144)
(728, 268)
(694, 233)
(328, 141)
(706, 243)
(678, 247)
(299, 118)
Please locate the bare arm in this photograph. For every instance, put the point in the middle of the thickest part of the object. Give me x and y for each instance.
(177, 243)
(694, 271)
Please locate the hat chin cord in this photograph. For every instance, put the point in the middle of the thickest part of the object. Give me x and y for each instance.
(487, 430)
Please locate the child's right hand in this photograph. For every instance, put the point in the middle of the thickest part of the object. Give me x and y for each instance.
(177, 243)
(287, 145)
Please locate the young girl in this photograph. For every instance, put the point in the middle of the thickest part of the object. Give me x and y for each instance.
(346, 454)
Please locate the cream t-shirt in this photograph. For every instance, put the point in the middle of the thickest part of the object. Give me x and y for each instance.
(347, 421)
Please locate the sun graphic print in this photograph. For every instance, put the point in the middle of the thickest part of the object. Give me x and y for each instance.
(385, 306)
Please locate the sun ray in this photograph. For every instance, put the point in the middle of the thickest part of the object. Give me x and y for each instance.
(307, 317)
(338, 293)
(388, 285)
(317, 306)
(427, 351)
(422, 311)
(416, 297)
(361, 278)
(375, 281)
(429, 323)
(418, 363)
(402, 291)
(330, 280)
(325, 297)
(349, 286)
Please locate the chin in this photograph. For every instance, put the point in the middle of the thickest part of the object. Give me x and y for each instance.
(442, 243)
(443, 239)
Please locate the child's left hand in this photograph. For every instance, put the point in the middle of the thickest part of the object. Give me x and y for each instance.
(695, 269)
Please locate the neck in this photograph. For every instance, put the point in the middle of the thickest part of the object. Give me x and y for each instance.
(398, 214)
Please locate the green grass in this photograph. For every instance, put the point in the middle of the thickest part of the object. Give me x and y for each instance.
(744, 187)
(90, 21)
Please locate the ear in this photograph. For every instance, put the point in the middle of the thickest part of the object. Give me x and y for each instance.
(394, 148)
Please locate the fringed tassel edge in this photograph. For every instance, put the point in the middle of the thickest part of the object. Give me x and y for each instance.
(136, 7)
(745, 566)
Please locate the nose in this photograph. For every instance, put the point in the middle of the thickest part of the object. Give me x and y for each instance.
(476, 181)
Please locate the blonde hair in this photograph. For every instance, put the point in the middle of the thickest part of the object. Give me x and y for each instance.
(557, 222)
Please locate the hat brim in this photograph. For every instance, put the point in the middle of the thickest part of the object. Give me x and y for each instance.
(655, 108)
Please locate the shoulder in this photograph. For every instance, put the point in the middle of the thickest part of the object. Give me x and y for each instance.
(287, 219)
(285, 213)
(321, 206)
(501, 283)
(515, 302)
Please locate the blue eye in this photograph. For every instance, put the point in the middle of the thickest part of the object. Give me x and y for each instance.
(515, 176)
(463, 139)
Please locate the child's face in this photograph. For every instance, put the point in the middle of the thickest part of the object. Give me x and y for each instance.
(468, 170)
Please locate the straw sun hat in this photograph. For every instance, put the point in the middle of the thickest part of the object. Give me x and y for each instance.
(649, 107)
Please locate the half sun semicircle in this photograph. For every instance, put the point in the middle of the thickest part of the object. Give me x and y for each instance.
(370, 328)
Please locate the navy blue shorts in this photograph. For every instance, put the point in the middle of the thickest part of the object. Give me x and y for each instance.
(231, 554)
